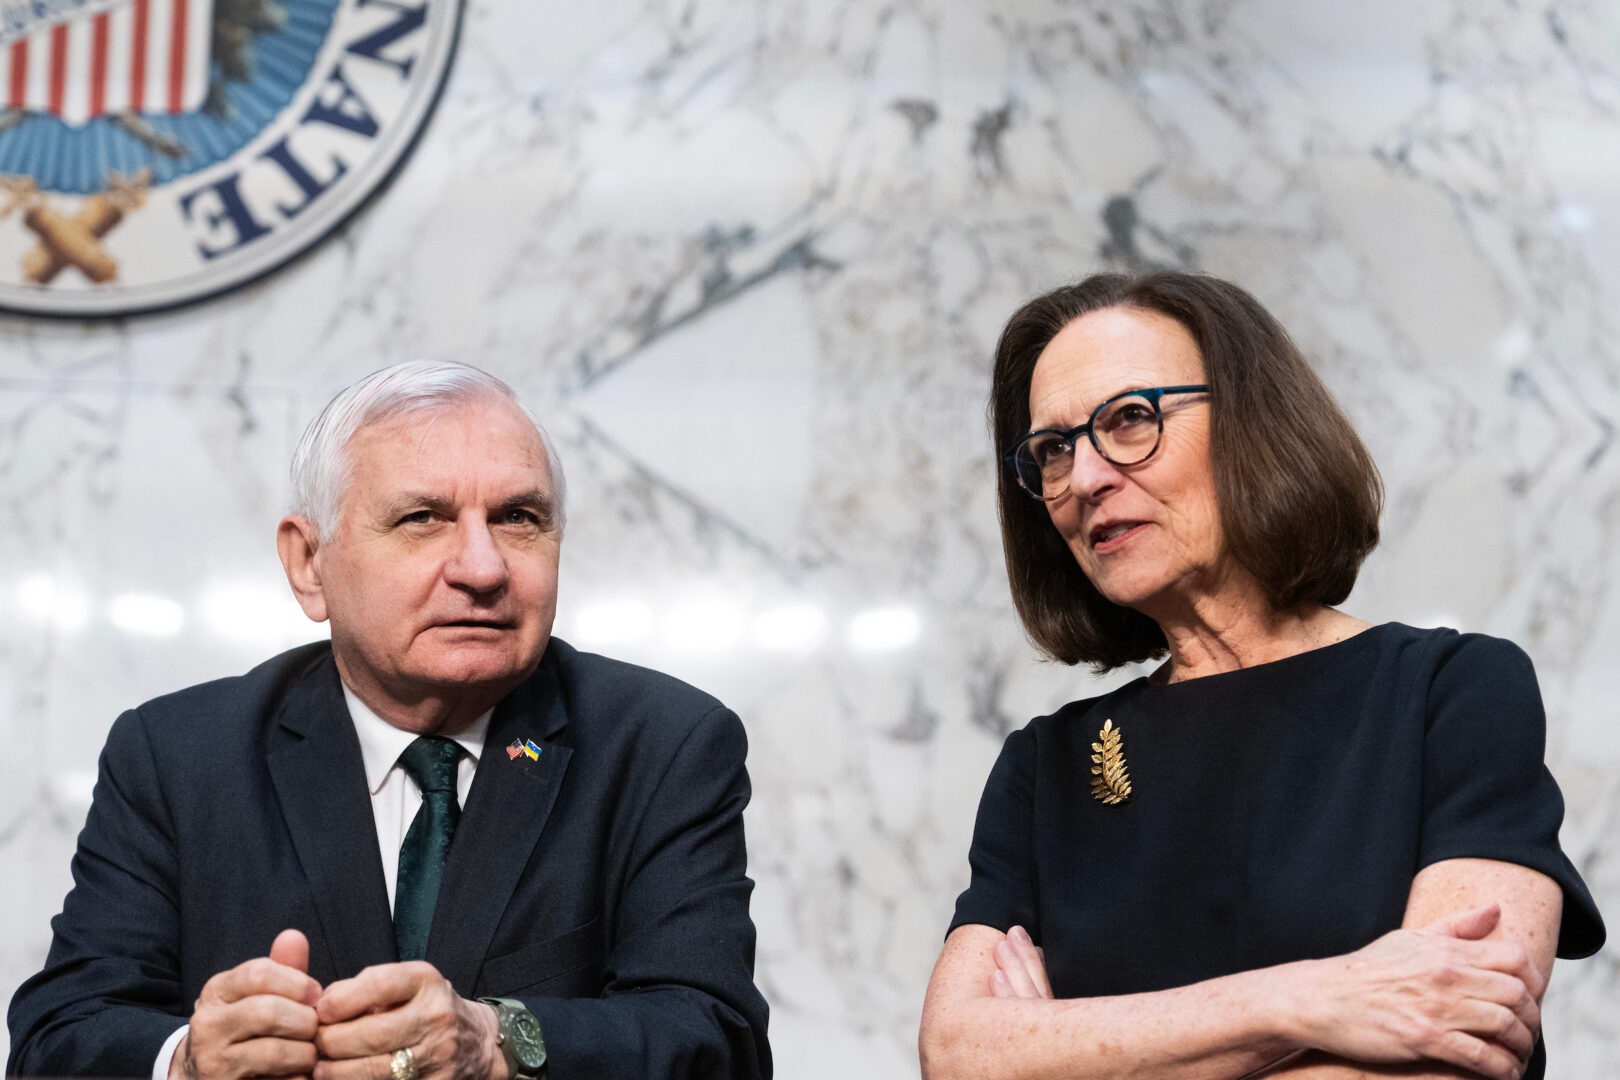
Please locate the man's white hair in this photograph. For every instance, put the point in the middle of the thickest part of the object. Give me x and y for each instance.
(321, 469)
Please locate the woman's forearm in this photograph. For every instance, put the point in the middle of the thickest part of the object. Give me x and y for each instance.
(1221, 1029)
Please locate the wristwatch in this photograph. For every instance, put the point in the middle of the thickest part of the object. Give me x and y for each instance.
(519, 1039)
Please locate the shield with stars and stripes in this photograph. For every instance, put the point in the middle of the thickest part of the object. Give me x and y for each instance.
(139, 56)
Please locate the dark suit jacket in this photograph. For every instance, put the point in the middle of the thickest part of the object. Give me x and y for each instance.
(604, 884)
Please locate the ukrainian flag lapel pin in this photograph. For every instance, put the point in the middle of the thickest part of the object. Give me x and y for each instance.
(524, 748)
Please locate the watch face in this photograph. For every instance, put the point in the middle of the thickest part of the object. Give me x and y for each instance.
(526, 1043)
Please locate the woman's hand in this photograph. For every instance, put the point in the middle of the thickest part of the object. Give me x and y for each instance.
(1438, 993)
(1020, 968)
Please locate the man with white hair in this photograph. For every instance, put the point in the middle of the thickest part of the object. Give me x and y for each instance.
(443, 845)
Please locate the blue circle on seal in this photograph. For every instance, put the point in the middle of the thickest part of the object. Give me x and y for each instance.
(74, 159)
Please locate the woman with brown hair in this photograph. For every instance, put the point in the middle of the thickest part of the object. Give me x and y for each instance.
(1304, 845)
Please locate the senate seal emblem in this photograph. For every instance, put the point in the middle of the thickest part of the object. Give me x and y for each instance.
(155, 152)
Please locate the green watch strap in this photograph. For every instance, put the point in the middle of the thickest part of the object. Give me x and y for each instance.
(510, 1003)
(520, 1038)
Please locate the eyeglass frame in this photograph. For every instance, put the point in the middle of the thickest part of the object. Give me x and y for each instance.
(1153, 394)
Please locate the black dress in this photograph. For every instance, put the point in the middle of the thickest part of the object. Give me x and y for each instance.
(1276, 813)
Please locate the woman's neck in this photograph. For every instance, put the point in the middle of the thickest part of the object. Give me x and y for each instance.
(1239, 628)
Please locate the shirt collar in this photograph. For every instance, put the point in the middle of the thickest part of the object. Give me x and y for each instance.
(381, 743)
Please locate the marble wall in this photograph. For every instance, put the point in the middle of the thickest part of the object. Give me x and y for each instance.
(749, 260)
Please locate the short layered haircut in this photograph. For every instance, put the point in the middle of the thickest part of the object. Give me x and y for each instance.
(1298, 493)
(321, 469)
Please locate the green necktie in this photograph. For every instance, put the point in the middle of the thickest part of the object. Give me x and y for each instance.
(431, 761)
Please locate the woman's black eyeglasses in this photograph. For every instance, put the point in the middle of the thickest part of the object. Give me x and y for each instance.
(1125, 430)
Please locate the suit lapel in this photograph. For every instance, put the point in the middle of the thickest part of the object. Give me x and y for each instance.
(507, 809)
(320, 780)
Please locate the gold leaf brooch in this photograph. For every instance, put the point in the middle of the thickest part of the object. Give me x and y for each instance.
(1109, 780)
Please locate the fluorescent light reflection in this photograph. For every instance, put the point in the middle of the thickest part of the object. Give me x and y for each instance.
(45, 600)
(146, 616)
(884, 629)
(255, 613)
(71, 789)
(613, 622)
(36, 597)
(703, 626)
(791, 628)
(717, 624)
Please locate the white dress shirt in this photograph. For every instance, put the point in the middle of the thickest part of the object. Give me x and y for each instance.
(395, 798)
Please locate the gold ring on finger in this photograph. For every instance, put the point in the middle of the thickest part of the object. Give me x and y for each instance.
(403, 1065)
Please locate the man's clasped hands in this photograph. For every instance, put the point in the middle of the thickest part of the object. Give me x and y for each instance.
(268, 1017)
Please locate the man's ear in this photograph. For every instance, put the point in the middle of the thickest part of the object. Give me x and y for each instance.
(297, 541)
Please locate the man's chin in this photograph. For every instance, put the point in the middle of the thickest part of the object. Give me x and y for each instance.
(473, 665)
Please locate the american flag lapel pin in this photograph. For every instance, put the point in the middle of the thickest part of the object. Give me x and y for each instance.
(524, 748)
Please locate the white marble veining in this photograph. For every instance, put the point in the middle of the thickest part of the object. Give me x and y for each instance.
(749, 260)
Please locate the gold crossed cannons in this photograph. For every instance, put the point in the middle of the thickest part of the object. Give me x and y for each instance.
(73, 241)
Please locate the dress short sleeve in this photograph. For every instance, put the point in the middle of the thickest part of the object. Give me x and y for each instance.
(1487, 793)
(1001, 892)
